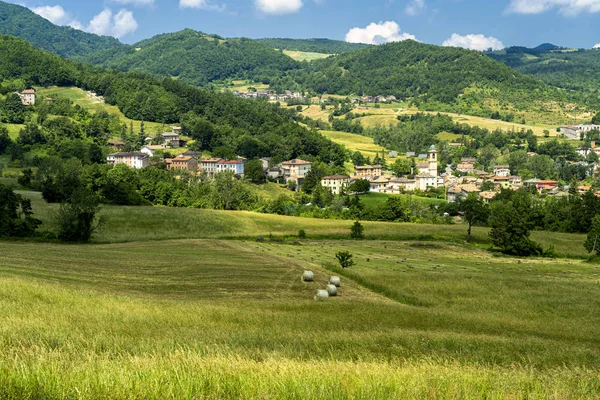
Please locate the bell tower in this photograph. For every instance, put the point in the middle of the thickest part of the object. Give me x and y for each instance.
(433, 161)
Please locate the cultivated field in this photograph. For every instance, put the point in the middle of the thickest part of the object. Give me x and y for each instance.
(305, 55)
(354, 142)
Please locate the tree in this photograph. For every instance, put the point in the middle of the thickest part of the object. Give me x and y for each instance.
(253, 170)
(475, 210)
(76, 218)
(360, 186)
(16, 215)
(357, 231)
(345, 259)
(14, 110)
(592, 243)
(228, 192)
(511, 223)
(4, 139)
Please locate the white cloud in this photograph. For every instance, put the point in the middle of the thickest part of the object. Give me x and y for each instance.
(134, 2)
(597, 46)
(474, 42)
(117, 25)
(380, 33)
(201, 5)
(278, 7)
(414, 7)
(57, 15)
(566, 7)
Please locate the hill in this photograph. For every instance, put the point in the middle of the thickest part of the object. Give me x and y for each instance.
(323, 46)
(574, 69)
(197, 58)
(20, 21)
(437, 78)
(217, 119)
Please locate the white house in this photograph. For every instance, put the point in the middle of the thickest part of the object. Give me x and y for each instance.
(236, 166)
(296, 168)
(574, 131)
(27, 97)
(151, 149)
(133, 160)
(336, 183)
(502, 170)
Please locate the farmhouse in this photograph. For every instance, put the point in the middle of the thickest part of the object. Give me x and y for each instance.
(367, 170)
(337, 183)
(182, 164)
(27, 97)
(133, 160)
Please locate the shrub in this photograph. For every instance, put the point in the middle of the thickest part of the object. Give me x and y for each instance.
(356, 232)
(345, 259)
(301, 234)
(76, 219)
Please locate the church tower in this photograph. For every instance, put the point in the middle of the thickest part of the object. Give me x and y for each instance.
(433, 161)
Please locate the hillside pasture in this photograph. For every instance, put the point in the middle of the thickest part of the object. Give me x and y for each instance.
(354, 142)
(305, 56)
(231, 319)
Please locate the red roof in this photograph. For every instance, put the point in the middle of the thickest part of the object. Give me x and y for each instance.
(28, 91)
(296, 162)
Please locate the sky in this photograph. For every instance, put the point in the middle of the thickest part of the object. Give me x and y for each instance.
(474, 24)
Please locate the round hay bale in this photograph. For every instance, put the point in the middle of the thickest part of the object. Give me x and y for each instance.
(332, 290)
(308, 276)
(335, 281)
(321, 295)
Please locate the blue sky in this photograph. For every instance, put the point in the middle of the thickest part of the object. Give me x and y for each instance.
(476, 24)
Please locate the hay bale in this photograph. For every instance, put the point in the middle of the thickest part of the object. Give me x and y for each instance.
(332, 290)
(335, 281)
(308, 276)
(321, 295)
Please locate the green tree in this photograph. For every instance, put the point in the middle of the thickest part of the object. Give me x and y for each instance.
(402, 166)
(475, 210)
(76, 220)
(16, 215)
(360, 186)
(357, 231)
(4, 139)
(345, 259)
(592, 243)
(253, 170)
(228, 192)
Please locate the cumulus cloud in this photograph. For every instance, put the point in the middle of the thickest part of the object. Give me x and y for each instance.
(57, 15)
(109, 24)
(566, 7)
(597, 46)
(201, 5)
(278, 7)
(378, 33)
(474, 42)
(414, 7)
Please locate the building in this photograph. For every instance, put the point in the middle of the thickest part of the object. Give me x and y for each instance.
(425, 181)
(133, 160)
(27, 97)
(184, 163)
(171, 139)
(575, 131)
(116, 144)
(502, 170)
(380, 184)
(367, 170)
(296, 168)
(428, 175)
(149, 149)
(209, 166)
(235, 166)
(466, 167)
(487, 196)
(337, 183)
(399, 185)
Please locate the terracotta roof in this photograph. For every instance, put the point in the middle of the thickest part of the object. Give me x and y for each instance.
(28, 91)
(336, 177)
(488, 195)
(230, 162)
(296, 162)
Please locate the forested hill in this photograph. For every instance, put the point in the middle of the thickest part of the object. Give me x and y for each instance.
(323, 46)
(68, 42)
(246, 127)
(197, 58)
(576, 69)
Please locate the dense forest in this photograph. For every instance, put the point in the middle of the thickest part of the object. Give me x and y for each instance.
(575, 69)
(250, 128)
(324, 46)
(20, 21)
(197, 58)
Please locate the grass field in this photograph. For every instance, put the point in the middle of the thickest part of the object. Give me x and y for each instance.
(80, 97)
(231, 319)
(305, 56)
(354, 142)
(378, 199)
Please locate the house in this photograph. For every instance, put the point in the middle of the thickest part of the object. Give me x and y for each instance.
(367, 170)
(502, 170)
(515, 180)
(425, 181)
(465, 167)
(487, 196)
(393, 154)
(209, 166)
(133, 160)
(266, 161)
(502, 182)
(583, 189)
(410, 154)
(379, 184)
(148, 149)
(27, 97)
(399, 185)
(177, 129)
(547, 185)
(296, 168)
(235, 166)
(191, 153)
(337, 183)
(575, 132)
(182, 163)
(171, 139)
(471, 160)
(274, 173)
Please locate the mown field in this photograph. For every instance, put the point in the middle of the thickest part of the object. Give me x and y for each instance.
(305, 55)
(354, 142)
(222, 318)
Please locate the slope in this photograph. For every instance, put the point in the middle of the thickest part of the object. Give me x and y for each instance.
(19, 21)
(323, 46)
(197, 58)
(575, 69)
